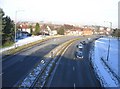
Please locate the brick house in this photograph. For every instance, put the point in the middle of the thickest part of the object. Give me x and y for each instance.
(73, 32)
(87, 31)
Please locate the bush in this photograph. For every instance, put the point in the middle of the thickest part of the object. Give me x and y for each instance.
(7, 44)
(61, 31)
(116, 32)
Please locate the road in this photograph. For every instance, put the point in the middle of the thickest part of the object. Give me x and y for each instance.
(17, 67)
(73, 72)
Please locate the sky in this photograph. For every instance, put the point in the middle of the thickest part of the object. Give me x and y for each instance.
(83, 12)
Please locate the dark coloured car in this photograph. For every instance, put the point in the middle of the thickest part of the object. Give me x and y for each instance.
(79, 54)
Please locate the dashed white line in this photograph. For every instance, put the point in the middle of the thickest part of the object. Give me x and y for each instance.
(73, 68)
(1, 74)
(74, 85)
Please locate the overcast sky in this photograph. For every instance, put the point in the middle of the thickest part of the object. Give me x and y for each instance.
(64, 11)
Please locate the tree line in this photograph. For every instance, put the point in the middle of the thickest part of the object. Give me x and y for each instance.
(116, 32)
(7, 29)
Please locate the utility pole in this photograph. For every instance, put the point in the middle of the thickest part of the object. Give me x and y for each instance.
(109, 42)
(16, 24)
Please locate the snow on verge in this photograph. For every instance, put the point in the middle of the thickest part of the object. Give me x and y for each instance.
(24, 41)
(99, 51)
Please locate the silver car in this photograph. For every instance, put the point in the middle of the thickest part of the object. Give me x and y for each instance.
(79, 46)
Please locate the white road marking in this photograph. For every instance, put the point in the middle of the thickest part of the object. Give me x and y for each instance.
(42, 61)
(1, 74)
(58, 63)
(74, 85)
(73, 68)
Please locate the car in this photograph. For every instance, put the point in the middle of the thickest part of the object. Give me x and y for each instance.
(83, 42)
(80, 49)
(88, 38)
(79, 46)
(79, 54)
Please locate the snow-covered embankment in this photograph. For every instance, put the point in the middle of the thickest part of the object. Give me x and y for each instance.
(106, 70)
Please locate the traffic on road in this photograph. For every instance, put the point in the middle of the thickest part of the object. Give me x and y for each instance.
(17, 67)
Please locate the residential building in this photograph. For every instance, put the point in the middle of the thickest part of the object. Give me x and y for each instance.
(87, 31)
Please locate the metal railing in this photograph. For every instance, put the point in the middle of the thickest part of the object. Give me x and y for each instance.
(110, 70)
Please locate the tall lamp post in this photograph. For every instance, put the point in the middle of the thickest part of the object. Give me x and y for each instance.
(109, 40)
(16, 12)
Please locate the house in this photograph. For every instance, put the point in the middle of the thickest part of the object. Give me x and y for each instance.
(73, 32)
(48, 30)
(51, 31)
(54, 32)
(102, 31)
(44, 30)
(87, 31)
(25, 28)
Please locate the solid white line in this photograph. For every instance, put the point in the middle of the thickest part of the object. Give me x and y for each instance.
(74, 85)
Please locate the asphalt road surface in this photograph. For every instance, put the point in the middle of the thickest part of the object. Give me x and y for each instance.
(73, 72)
(17, 67)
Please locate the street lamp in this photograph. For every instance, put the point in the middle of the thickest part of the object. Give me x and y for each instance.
(109, 40)
(110, 25)
(16, 24)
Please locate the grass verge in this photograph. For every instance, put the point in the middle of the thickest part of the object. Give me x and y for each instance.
(7, 44)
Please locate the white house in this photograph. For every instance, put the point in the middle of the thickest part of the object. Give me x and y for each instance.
(51, 32)
(54, 32)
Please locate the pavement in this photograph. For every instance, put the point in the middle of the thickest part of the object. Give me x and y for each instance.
(73, 72)
(18, 66)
